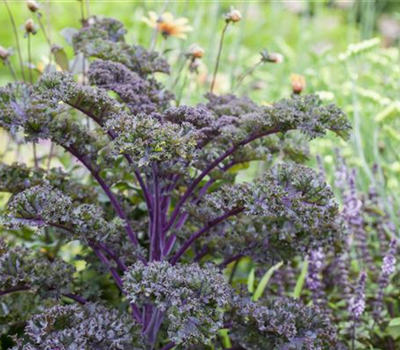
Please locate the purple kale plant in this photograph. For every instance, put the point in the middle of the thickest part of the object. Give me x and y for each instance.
(159, 217)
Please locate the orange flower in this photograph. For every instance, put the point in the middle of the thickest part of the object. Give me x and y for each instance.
(167, 25)
(298, 83)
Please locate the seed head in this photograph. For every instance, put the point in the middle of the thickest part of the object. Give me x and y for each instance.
(30, 27)
(4, 53)
(33, 6)
(272, 57)
(195, 51)
(233, 16)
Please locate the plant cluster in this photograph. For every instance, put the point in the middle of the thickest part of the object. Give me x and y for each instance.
(161, 214)
(357, 288)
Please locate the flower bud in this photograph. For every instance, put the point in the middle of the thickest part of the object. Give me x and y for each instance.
(271, 57)
(33, 6)
(233, 16)
(195, 51)
(298, 83)
(4, 53)
(30, 27)
(276, 57)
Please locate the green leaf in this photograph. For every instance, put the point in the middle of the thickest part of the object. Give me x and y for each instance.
(300, 281)
(264, 281)
(389, 111)
(394, 327)
(225, 340)
(250, 280)
(237, 167)
(60, 57)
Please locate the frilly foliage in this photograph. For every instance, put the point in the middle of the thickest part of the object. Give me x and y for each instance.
(104, 38)
(158, 206)
(20, 268)
(91, 326)
(148, 141)
(191, 297)
(288, 211)
(281, 324)
(44, 206)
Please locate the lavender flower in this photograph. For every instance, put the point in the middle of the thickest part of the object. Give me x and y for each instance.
(314, 278)
(342, 276)
(353, 213)
(387, 270)
(357, 302)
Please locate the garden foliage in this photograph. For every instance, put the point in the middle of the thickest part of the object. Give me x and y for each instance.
(162, 216)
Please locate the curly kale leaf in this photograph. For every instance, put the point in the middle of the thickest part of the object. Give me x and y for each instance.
(147, 140)
(288, 210)
(280, 324)
(89, 326)
(45, 206)
(104, 38)
(20, 268)
(191, 297)
(304, 113)
(141, 95)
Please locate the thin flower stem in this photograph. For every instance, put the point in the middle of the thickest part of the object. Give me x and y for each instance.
(10, 67)
(48, 31)
(39, 18)
(82, 9)
(16, 39)
(46, 36)
(30, 59)
(155, 31)
(249, 72)
(35, 158)
(84, 78)
(199, 233)
(51, 152)
(179, 99)
(221, 42)
(179, 72)
(87, 8)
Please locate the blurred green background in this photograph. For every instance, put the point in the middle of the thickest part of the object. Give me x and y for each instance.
(330, 43)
